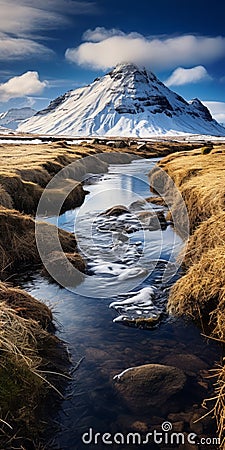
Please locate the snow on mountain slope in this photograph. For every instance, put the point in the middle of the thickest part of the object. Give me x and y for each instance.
(14, 116)
(6, 131)
(128, 101)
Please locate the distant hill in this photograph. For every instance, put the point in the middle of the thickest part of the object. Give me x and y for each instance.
(14, 116)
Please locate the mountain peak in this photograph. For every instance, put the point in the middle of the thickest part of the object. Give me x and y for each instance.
(127, 67)
(127, 101)
(130, 70)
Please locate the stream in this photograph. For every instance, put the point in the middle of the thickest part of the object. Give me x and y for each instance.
(124, 254)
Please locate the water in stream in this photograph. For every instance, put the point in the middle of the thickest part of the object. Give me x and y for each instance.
(88, 324)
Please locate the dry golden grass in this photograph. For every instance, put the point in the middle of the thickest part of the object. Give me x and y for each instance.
(19, 367)
(25, 306)
(207, 236)
(25, 376)
(219, 408)
(18, 244)
(200, 180)
(26, 170)
(18, 337)
(200, 293)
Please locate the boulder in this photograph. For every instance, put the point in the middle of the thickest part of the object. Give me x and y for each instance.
(116, 144)
(149, 386)
(137, 205)
(144, 323)
(142, 147)
(116, 211)
(190, 364)
(153, 219)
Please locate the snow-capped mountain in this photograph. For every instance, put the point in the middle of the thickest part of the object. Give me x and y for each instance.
(14, 116)
(128, 101)
(4, 130)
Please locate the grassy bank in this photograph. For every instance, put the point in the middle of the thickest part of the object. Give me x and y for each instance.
(199, 176)
(28, 346)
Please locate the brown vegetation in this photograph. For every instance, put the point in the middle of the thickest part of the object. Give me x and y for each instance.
(200, 293)
(25, 376)
(17, 240)
(26, 306)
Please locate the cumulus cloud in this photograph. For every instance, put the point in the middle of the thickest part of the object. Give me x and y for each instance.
(21, 86)
(217, 110)
(106, 48)
(23, 20)
(184, 76)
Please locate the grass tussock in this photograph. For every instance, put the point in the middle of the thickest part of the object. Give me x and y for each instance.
(200, 293)
(208, 236)
(5, 199)
(220, 403)
(18, 242)
(200, 181)
(21, 379)
(26, 306)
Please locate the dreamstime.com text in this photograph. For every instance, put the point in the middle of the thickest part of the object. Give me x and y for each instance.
(166, 437)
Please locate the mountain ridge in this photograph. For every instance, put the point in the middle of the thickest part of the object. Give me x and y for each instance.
(14, 116)
(128, 101)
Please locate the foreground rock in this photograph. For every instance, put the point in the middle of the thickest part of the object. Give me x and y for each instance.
(116, 211)
(154, 220)
(150, 385)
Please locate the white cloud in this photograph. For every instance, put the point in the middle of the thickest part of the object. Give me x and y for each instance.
(18, 48)
(22, 21)
(25, 16)
(217, 110)
(104, 51)
(100, 34)
(184, 76)
(21, 86)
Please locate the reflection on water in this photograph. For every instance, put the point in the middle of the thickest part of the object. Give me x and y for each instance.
(107, 347)
(98, 238)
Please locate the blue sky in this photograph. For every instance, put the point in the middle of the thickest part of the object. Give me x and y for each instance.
(50, 46)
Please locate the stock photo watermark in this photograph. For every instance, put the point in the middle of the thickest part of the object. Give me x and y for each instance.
(166, 436)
